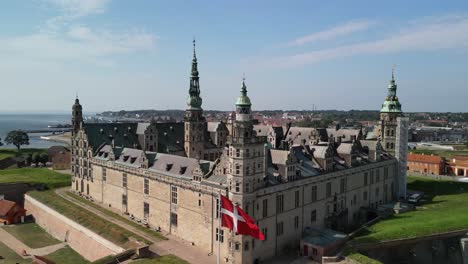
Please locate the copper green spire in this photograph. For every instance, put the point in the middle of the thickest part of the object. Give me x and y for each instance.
(391, 103)
(243, 99)
(194, 100)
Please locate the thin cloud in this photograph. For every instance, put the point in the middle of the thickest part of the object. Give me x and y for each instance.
(332, 33)
(447, 33)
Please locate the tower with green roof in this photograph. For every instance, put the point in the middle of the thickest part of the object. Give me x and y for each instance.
(195, 123)
(391, 110)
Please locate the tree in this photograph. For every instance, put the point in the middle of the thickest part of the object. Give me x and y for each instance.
(17, 138)
(44, 158)
(36, 158)
(1, 144)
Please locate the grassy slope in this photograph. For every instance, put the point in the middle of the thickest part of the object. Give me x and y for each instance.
(118, 216)
(5, 153)
(32, 235)
(167, 259)
(446, 211)
(100, 226)
(9, 256)
(66, 255)
(51, 178)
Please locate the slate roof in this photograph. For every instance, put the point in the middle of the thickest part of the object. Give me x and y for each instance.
(141, 128)
(132, 157)
(319, 151)
(370, 144)
(177, 166)
(122, 134)
(170, 136)
(262, 130)
(345, 148)
(345, 133)
(298, 134)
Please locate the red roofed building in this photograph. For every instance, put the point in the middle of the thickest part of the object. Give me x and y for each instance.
(427, 164)
(10, 212)
(458, 165)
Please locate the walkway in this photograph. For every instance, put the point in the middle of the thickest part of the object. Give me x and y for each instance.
(173, 245)
(18, 246)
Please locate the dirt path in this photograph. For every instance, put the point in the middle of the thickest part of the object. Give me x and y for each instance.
(173, 245)
(18, 246)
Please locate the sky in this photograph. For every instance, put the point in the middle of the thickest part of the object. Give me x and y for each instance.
(136, 54)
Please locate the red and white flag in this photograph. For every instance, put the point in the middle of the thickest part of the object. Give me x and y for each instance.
(237, 220)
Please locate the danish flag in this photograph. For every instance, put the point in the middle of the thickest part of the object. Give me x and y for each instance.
(237, 220)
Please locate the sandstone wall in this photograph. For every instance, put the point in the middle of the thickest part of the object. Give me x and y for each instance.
(84, 241)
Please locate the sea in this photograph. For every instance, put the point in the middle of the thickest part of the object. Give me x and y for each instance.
(31, 121)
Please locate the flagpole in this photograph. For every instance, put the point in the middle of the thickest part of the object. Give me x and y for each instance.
(218, 234)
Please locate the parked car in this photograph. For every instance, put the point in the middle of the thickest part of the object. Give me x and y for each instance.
(414, 198)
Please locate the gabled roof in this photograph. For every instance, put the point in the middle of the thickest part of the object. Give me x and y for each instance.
(170, 136)
(5, 207)
(121, 134)
(177, 165)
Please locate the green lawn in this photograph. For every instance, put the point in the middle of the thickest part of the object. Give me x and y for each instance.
(66, 255)
(445, 210)
(5, 153)
(443, 153)
(50, 178)
(9, 256)
(106, 229)
(32, 235)
(151, 232)
(167, 259)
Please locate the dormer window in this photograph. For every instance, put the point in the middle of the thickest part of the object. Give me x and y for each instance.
(125, 158)
(116, 129)
(182, 169)
(132, 159)
(168, 166)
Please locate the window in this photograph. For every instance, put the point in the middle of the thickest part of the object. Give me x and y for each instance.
(377, 191)
(220, 235)
(296, 222)
(313, 216)
(372, 179)
(237, 152)
(174, 194)
(104, 174)
(146, 209)
(124, 199)
(174, 219)
(364, 195)
(237, 169)
(265, 233)
(296, 199)
(237, 186)
(342, 185)
(146, 186)
(279, 229)
(365, 178)
(386, 173)
(246, 246)
(247, 187)
(217, 207)
(265, 208)
(247, 170)
(124, 180)
(314, 193)
(247, 153)
(279, 203)
(328, 194)
(237, 246)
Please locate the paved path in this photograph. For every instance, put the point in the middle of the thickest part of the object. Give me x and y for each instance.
(18, 246)
(173, 245)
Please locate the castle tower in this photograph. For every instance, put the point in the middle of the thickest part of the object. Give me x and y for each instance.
(195, 123)
(77, 116)
(391, 110)
(246, 157)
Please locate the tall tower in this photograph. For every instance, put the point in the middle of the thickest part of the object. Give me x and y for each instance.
(391, 110)
(246, 157)
(195, 123)
(77, 116)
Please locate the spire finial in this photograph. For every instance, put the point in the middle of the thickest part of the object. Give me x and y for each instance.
(393, 72)
(194, 44)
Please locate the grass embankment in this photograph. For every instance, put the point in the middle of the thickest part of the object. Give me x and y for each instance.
(6, 153)
(439, 152)
(445, 210)
(9, 256)
(32, 235)
(103, 227)
(50, 178)
(151, 232)
(358, 257)
(66, 255)
(167, 259)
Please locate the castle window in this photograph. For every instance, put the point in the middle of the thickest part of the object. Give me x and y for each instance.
(237, 186)
(217, 207)
(247, 187)
(328, 193)
(314, 193)
(247, 153)
(364, 195)
(279, 203)
(174, 194)
(386, 173)
(342, 185)
(168, 166)
(124, 199)
(377, 191)
(247, 170)
(174, 219)
(296, 222)
(265, 233)
(296, 199)
(182, 170)
(237, 152)
(237, 169)
(279, 229)
(104, 174)
(313, 216)
(220, 235)
(146, 209)
(124, 180)
(365, 178)
(265, 208)
(246, 246)
(146, 186)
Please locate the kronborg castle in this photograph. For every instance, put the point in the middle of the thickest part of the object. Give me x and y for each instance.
(287, 178)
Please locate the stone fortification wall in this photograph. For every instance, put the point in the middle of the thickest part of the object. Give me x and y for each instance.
(84, 241)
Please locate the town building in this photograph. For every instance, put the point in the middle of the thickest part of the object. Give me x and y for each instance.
(11, 212)
(287, 179)
(458, 166)
(426, 164)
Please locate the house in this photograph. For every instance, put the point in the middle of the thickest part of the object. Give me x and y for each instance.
(458, 165)
(11, 212)
(60, 157)
(427, 164)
